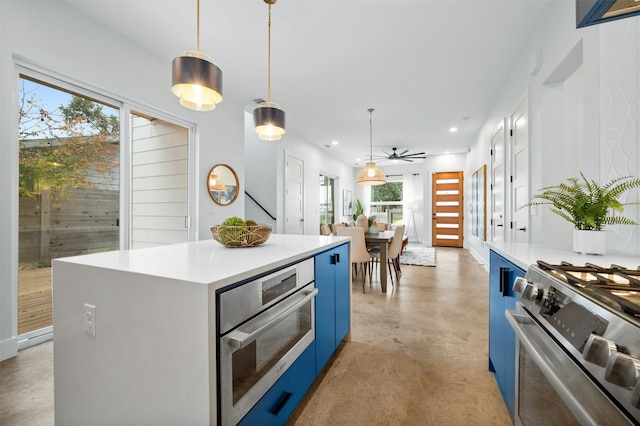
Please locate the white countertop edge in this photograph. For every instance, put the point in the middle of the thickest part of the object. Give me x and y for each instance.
(207, 262)
(526, 254)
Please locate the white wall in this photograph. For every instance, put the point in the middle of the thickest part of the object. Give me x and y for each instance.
(583, 115)
(56, 39)
(261, 178)
(316, 162)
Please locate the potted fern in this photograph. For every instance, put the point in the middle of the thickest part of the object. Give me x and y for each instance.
(589, 206)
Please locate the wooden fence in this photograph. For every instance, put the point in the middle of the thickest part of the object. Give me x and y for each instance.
(84, 222)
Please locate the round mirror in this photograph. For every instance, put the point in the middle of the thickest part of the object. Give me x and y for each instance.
(222, 184)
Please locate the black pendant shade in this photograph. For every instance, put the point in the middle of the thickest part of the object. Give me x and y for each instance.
(269, 121)
(197, 81)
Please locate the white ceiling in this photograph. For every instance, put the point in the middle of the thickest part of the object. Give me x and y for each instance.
(424, 66)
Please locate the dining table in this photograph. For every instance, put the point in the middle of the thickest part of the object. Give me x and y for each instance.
(382, 239)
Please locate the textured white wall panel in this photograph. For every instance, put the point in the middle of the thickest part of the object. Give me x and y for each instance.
(619, 106)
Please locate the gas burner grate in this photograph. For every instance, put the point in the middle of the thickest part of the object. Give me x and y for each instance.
(605, 282)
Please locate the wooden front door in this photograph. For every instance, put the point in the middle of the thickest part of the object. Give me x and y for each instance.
(447, 209)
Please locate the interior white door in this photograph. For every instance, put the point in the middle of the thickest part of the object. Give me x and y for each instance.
(519, 145)
(497, 184)
(294, 195)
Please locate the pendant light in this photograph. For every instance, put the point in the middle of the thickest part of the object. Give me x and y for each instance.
(268, 117)
(371, 174)
(196, 80)
(215, 184)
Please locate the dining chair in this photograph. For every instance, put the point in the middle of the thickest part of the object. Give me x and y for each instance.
(394, 250)
(336, 226)
(393, 253)
(325, 229)
(360, 257)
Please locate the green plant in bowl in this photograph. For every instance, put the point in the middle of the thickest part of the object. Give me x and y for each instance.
(232, 231)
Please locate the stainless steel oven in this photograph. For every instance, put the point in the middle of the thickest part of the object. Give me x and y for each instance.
(550, 387)
(263, 327)
(578, 345)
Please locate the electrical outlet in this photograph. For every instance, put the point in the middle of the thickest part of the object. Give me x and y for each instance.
(90, 319)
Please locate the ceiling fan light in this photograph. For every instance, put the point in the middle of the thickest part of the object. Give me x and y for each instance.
(197, 81)
(269, 121)
(371, 175)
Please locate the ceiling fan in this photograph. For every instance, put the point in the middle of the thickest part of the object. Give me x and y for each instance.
(394, 155)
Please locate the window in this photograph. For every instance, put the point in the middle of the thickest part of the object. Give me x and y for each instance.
(69, 188)
(386, 202)
(327, 205)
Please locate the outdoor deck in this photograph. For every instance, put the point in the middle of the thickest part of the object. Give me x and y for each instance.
(34, 299)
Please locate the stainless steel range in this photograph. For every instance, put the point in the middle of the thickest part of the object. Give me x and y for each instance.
(578, 351)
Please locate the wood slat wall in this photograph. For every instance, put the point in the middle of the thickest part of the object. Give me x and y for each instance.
(85, 222)
(159, 197)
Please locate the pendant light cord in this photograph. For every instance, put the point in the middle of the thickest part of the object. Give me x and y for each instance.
(198, 29)
(269, 60)
(371, 134)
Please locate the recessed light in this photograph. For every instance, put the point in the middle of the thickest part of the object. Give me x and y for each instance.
(453, 129)
(334, 143)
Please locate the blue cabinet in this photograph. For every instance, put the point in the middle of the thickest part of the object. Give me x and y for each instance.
(277, 405)
(332, 301)
(502, 339)
(332, 312)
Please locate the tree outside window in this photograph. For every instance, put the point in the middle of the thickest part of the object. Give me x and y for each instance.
(386, 202)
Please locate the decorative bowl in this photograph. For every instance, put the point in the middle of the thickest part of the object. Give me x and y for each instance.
(241, 236)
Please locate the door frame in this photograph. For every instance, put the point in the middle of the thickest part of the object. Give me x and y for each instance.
(498, 226)
(287, 157)
(519, 230)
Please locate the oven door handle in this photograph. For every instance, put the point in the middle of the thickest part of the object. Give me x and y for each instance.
(239, 339)
(523, 324)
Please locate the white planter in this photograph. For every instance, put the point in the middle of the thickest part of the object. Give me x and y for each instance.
(590, 242)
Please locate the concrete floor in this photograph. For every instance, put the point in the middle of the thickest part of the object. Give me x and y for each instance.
(418, 356)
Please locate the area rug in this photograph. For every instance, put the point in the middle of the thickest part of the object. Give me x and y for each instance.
(421, 256)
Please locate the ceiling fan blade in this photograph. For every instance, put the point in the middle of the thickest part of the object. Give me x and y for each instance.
(406, 159)
(414, 154)
(403, 152)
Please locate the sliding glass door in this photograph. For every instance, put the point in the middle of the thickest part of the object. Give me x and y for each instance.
(94, 176)
(69, 188)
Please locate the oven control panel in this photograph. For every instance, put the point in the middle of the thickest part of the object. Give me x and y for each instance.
(571, 320)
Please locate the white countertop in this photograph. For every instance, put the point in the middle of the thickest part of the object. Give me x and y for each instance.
(209, 262)
(524, 254)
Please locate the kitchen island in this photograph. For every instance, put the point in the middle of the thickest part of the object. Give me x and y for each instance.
(135, 331)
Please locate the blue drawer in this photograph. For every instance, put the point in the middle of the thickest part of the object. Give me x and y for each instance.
(275, 407)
